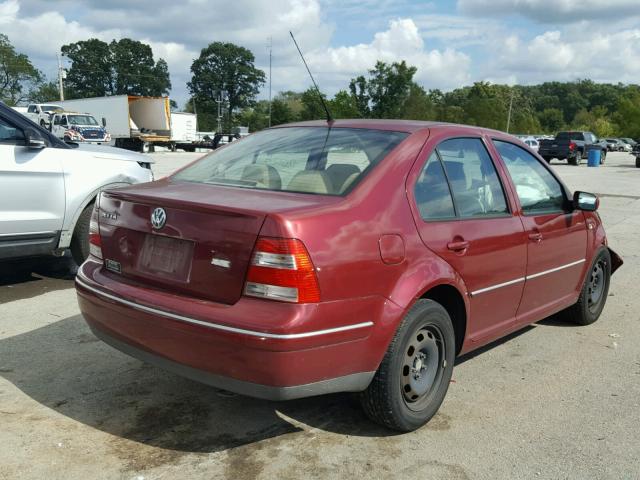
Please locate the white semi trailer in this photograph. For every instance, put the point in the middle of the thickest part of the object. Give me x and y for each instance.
(134, 122)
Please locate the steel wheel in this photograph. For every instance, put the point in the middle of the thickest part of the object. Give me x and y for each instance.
(596, 285)
(423, 366)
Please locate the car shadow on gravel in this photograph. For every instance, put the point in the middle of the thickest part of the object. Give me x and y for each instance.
(65, 368)
(27, 278)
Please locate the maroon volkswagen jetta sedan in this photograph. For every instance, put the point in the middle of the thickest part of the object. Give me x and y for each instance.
(350, 256)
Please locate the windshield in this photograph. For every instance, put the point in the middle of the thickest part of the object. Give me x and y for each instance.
(317, 160)
(51, 108)
(81, 120)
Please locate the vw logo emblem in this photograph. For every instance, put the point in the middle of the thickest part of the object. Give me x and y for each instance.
(158, 218)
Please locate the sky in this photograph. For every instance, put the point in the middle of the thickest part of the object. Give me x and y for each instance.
(452, 43)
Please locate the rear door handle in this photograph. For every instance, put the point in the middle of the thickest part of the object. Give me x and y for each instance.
(535, 237)
(458, 246)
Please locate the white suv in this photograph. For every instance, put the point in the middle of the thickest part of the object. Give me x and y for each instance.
(47, 187)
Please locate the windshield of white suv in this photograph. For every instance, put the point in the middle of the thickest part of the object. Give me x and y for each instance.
(320, 160)
(81, 120)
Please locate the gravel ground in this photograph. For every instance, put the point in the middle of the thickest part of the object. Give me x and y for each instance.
(551, 401)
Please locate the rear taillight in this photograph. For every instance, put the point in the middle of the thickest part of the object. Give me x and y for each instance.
(572, 146)
(95, 242)
(281, 269)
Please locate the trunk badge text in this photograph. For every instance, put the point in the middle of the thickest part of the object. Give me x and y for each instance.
(158, 218)
(110, 215)
(220, 262)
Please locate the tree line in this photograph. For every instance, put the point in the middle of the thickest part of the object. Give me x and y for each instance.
(225, 84)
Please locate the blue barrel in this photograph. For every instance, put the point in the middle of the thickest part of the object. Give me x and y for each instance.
(593, 159)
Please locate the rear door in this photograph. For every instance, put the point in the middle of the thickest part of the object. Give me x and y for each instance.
(466, 219)
(556, 234)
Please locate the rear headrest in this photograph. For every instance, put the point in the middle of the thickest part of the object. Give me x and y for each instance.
(312, 181)
(339, 173)
(265, 175)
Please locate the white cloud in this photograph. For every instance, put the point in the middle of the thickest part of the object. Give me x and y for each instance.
(402, 41)
(553, 11)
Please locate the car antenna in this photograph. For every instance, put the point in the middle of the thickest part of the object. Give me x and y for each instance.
(324, 105)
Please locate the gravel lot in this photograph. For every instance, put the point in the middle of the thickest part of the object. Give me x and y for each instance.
(552, 401)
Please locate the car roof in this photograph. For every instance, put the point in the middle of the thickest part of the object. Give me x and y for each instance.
(408, 126)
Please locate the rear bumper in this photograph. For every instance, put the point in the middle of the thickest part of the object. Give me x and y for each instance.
(349, 383)
(256, 347)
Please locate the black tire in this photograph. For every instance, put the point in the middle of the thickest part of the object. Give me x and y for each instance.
(603, 156)
(575, 160)
(43, 124)
(595, 290)
(414, 375)
(80, 238)
(547, 159)
(638, 162)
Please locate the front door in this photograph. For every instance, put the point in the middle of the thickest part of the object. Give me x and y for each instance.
(466, 220)
(32, 192)
(557, 235)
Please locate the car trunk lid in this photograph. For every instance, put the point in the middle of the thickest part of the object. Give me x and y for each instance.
(198, 243)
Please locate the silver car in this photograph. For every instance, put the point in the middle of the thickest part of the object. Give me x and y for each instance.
(47, 187)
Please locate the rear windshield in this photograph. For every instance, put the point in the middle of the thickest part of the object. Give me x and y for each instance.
(570, 136)
(329, 161)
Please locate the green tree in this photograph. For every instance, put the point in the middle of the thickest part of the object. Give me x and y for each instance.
(91, 72)
(551, 120)
(134, 70)
(311, 106)
(229, 68)
(18, 76)
(123, 67)
(280, 112)
(45, 92)
(385, 92)
(344, 105)
(628, 116)
(418, 105)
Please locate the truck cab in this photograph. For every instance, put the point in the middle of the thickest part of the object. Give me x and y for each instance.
(40, 113)
(78, 127)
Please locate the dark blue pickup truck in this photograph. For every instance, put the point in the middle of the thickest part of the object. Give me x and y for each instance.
(572, 146)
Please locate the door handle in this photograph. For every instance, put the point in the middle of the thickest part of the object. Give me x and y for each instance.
(458, 245)
(535, 237)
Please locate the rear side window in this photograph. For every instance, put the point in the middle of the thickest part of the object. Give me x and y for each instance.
(473, 178)
(539, 192)
(432, 192)
(318, 160)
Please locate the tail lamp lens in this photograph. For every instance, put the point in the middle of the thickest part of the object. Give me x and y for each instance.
(281, 269)
(95, 242)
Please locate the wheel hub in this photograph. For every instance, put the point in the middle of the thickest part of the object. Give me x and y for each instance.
(424, 360)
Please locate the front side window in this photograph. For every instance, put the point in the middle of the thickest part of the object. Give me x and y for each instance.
(318, 160)
(473, 178)
(538, 190)
(10, 134)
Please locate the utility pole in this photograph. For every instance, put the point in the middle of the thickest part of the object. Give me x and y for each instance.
(61, 76)
(219, 102)
(270, 49)
(510, 107)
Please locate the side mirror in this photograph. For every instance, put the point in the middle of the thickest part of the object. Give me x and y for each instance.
(104, 122)
(33, 139)
(585, 201)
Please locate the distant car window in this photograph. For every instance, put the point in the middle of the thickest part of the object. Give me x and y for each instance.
(570, 136)
(317, 160)
(473, 178)
(432, 193)
(31, 109)
(10, 134)
(56, 120)
(538, 190)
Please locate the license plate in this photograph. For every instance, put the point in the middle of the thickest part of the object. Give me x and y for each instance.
(166, 257)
